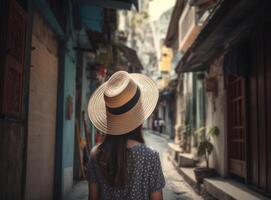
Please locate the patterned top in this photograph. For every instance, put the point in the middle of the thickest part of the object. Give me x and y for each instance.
(144, 176)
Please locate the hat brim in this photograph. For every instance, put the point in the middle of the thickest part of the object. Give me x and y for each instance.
(126, 122)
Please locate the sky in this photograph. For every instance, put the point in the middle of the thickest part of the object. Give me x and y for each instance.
(158, 7)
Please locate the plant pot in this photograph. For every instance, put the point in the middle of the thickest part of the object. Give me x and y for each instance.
(203, 172)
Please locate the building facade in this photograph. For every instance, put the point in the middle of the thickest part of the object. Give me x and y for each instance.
(51, 62)
(229, 66)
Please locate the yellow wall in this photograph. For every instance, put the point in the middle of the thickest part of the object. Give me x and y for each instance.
(166, 58)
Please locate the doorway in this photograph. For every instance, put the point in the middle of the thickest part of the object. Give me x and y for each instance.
(259, 126)
(236, 126)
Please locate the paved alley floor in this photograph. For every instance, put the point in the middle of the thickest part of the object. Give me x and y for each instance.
(176, 188)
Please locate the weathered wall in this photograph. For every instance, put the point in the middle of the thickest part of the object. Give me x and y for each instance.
(69, 124)
(185, 110)
(179, 110)
(42, 112)
(216, 116)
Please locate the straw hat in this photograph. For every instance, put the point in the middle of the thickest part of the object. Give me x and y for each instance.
(122, 103)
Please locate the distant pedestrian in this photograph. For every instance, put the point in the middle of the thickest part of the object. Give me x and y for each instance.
(161, 123)
(122, 166)
(156, 124)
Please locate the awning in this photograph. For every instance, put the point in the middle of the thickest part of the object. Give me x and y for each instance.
(115, 4)
(229, 21)
(91, 17)
(173, 28)
(131, 55)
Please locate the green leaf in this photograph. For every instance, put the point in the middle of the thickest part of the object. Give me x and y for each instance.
(200, 131)
(201, 149)
(214, 131)
(209, 147)
(205, 147)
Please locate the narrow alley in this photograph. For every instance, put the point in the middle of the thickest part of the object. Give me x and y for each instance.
(194, 74)
(176, 188)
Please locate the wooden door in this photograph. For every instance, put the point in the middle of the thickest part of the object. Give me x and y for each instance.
(42, 112)
(13, 23)
(12, 60)
(236, 126)
(259, 166)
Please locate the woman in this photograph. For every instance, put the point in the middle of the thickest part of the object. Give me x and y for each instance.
(122, 166)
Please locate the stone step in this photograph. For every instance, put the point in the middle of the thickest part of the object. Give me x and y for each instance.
(182, 159)
(173, 151)
(228, 189)
(186, 160)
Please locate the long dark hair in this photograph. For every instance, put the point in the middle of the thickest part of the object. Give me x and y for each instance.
(112, 156)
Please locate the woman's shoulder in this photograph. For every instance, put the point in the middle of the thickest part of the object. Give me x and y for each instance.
(146, 150)
(93, 151)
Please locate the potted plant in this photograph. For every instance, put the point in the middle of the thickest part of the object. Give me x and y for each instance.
(204, 151)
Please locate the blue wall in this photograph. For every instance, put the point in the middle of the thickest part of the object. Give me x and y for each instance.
(68, 124)
(69, 90)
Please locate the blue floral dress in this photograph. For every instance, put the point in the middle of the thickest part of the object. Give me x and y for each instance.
(144, 176)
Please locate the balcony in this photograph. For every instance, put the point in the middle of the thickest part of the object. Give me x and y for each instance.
(192, 20)
(189, 28)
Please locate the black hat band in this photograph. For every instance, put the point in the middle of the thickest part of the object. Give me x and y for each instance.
(127, 106)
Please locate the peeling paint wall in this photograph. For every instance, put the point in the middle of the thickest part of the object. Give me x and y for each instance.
(42, 112)
(216, 116)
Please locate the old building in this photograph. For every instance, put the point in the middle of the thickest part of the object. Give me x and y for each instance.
(185, 24)
(51, 61)
(229, 46)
